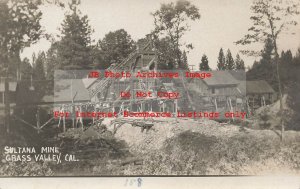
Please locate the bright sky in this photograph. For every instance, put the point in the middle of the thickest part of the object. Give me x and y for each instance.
(222, 22)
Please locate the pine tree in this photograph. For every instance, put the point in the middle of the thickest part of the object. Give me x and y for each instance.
(184, 60)
(267, 52)
(203, 66)
(286, 57)
(52, 61)
(221, 60)
(172, 20)
(165, 55)
(74, 48)
(39, 67)
(264, 69)
(242, 65)
(113, 48)
(239, 63)
(270, 19)
(25, 70)
(297, 57)
(229, 63)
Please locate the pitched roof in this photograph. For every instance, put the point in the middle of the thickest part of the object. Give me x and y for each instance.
(258, 87)
(238, 74)
(48, 92)
(220, 78)
(87, 82)
(67, 89)
(242, 87)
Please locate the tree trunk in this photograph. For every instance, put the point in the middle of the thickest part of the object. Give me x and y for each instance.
(280, 101)
(7, 104)
(280, 91)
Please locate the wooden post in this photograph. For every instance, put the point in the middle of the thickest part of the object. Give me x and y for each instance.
(231, 109)
(81, 122)
(94, 111)
(38, 122)
(7, 105)
(132, 91)
(248, 106)
(64, 121)
(60, 109)
(59, 122)
(77, 119)
(236, 105)
(73, 116)
(72, 108)
(227, 103)
(216, 104)
(3, 99)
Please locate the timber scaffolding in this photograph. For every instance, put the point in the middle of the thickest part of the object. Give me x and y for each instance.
(135, 62)
(102, 94)
(99, 91)
(144, 58)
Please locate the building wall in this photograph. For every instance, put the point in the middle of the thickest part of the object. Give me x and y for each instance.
(12, 97)
(255, 99)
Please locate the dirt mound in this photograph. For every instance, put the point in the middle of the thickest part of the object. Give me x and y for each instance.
(94, 146)
(250, 152)
(201, 147)
(190, 140)
(155, 138)
(94, 138)
(268, 117)
(275, 107)
(94, 132)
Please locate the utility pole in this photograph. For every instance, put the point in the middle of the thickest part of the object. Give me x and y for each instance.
(192, 67)
(6, 103)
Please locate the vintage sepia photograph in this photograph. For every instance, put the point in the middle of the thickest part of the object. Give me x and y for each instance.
(139, 88)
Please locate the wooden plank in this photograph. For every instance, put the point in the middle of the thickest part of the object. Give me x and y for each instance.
(25, 122)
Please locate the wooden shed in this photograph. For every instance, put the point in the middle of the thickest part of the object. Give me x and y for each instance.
(259, 93)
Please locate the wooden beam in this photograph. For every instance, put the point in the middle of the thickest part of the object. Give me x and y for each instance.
(7, 105)
(38, 123)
